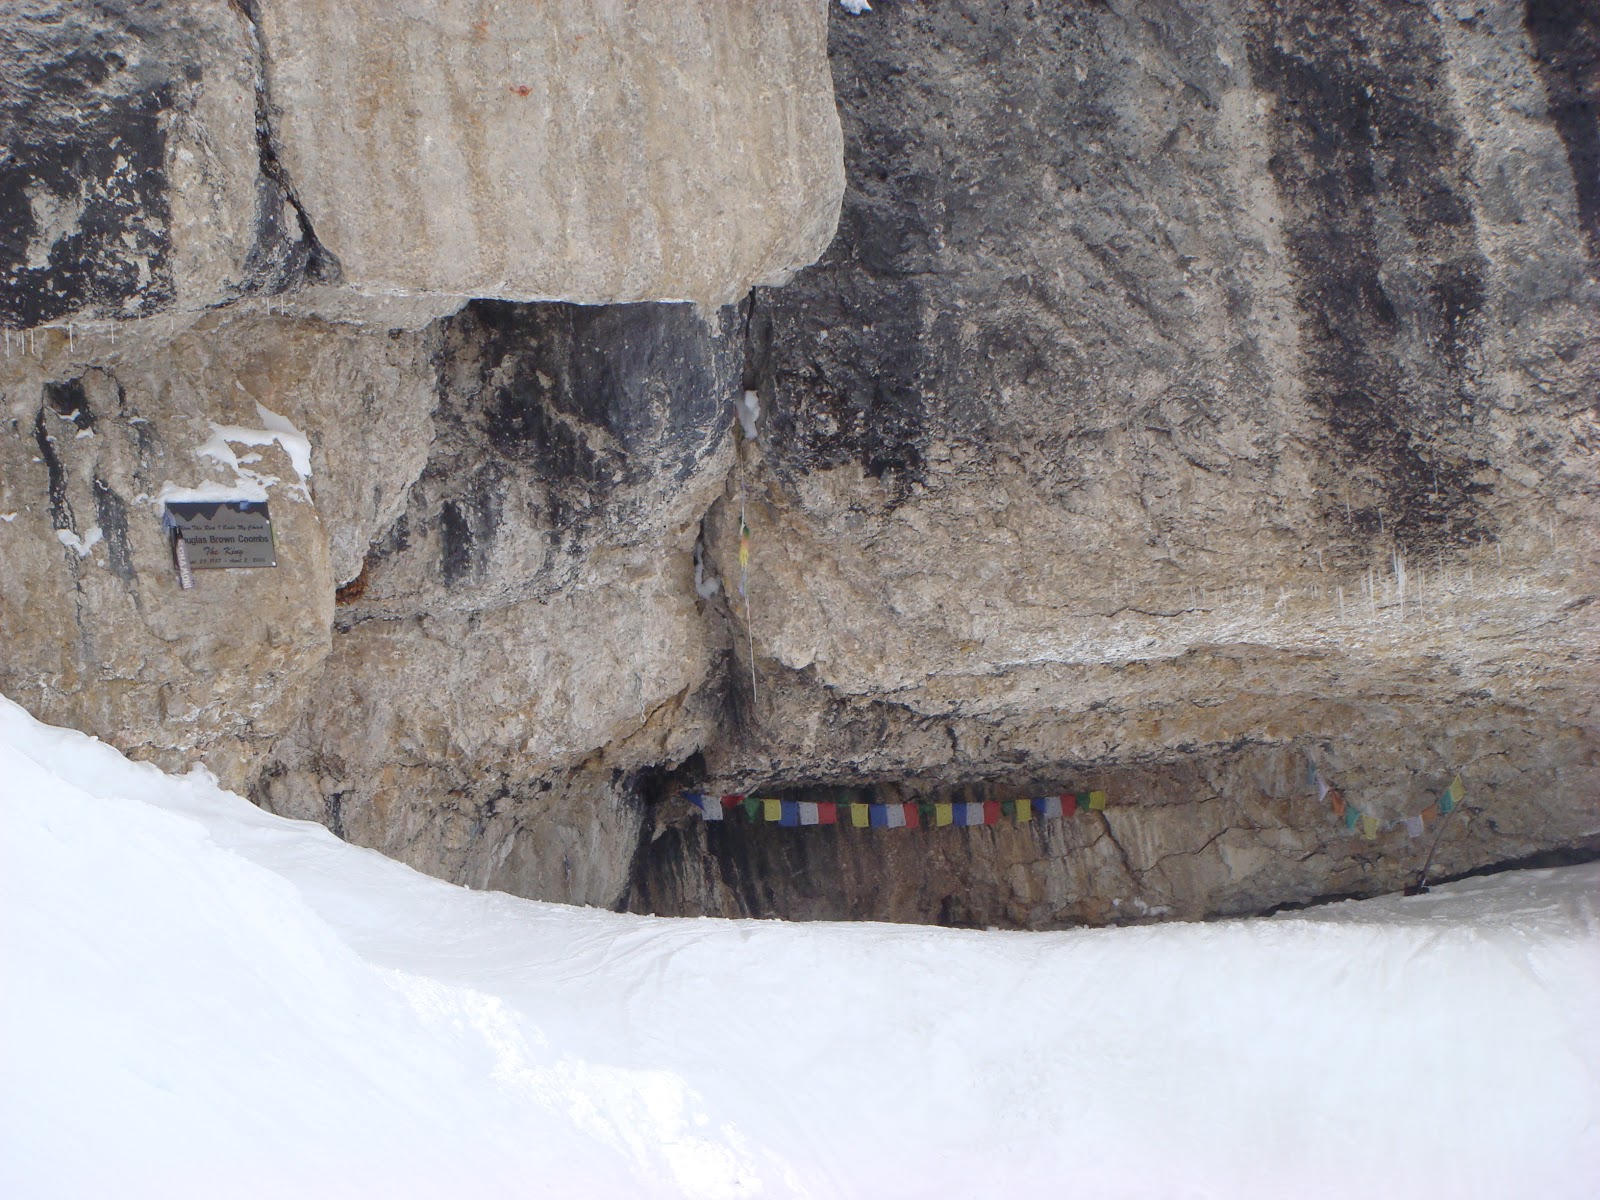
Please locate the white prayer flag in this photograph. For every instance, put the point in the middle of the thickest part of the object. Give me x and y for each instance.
(974, 812)
(808, 812)
(710, 806)
(1322, 787)
(1414, 826)
(1052, 807)
(897, 816)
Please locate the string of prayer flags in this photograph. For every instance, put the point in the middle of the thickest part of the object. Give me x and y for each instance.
(1370, 824)
(912, 814)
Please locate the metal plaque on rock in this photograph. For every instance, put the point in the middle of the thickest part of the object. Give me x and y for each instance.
(219, 533)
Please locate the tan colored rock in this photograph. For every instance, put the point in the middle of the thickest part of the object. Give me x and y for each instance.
(590, 152)
(97, 633)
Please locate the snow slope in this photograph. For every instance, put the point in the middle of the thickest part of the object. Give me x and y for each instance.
(201, 999)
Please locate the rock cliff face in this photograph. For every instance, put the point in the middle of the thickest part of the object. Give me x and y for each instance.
(1191, 392)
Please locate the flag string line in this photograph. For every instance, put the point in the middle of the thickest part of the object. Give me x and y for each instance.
(1356, 818)
(911, 814)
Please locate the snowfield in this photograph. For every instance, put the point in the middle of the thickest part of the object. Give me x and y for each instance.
(199, 999)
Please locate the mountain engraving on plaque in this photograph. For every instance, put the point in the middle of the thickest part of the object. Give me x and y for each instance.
(221, 533)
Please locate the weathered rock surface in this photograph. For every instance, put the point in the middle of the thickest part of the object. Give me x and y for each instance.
(526, 640)
(97, 633)
(131, 173)
(1192, 392)
(580, 151)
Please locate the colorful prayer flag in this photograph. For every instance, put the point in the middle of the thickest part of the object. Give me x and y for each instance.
(991, 812)
(1413, 827)
(808, 812)
(1024, 810)
(752, 809)
(1369, 826)
(1311, 773)
(1336, 801)
(879, 817)
(894, 816)
(827, 813)
(1322, 787)
(860, 815)
(1451, 796)
(1097, 801)
(1069, 804)
(1431, 813)
(942, 814)
(772, 810)
(732, 801)
(1048, 807)
(913, 817)
(1351, 816)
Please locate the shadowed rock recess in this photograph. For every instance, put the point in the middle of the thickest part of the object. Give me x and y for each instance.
(1192, 395)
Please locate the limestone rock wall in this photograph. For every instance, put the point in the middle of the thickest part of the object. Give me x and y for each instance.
(1190, 392)
(587, 151)
(133, 179)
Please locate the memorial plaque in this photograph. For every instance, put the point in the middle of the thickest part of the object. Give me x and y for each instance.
(220, 533)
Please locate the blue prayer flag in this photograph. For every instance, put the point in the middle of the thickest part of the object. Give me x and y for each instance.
(790, 814)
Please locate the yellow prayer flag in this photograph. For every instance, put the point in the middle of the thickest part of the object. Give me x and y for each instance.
(744, 552)
(1097, 801)
(1369, 826)
(860, 815)
(1456, 790)
(772, 810)
(942, 814)
(1024, 810)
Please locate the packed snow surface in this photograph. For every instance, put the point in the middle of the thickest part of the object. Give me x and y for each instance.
(201, 999)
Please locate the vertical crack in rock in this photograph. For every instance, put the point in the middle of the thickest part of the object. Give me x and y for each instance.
(276, 263)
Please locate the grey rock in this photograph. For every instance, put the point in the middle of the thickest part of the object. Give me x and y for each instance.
(131, 173)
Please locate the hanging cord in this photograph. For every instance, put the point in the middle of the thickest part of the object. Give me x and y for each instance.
(1421, 885)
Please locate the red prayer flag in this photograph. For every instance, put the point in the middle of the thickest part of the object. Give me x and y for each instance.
(827, 812)
(991, 812)
(732, 801)
(912, 817)
(1336, 798)
(1069, 804)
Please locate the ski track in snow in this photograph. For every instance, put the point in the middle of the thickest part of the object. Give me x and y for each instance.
(203, 999)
